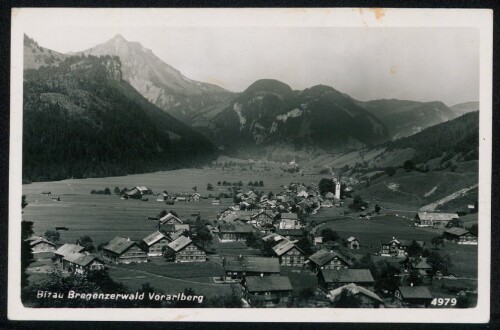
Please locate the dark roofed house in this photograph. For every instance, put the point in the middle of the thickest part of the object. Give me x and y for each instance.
(433, 219)
(460, 236)
(289, 254)
(419, 264)
(155, 243)
(124, 251)
(66, 250)
(187, 251)
(268, 291)
(329, 279)
(234, 232)
(325, 259)
(80, 263)
(414, 296)
(367, 298)
(291, 234)
(240, 266)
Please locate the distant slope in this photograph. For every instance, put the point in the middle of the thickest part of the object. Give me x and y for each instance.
(159, 82)
(81, 119)
(36, 56)
(269, 115)
(405, 118)
(463, 108)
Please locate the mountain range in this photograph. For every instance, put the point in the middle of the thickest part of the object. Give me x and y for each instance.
(268, 119)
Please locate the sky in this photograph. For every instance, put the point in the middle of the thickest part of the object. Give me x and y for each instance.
(421, 64)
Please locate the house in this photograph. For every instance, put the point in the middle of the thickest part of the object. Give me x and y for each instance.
(367, 298)
(41, 245)
(325, 259)
(175, 227)
(419, 264)
(353, 243)
(414, 296)
(396, 248)
(215, 201)
(236, 268)
(329, 279)
(318, 241)
(289, 254)
(291, 234)
(80, 263)
(269, 291)
(181, 199)
(196, 197)
(187, 251)
(327, 203)
(124, 251)
(262, 217)
(431, 219)
(144, 190)
(155, 243)
(460, 236)
(234, 232)
(169, 218)
(66, 250)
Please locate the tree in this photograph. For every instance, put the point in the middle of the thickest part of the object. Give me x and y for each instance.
(306, 293)
(414, 249)
(116, 191)
(437, 240)
(203, 237)
(24, 203)
(250, 183)
(377, 208)
(305, 245)
(347, 299)
(53, 236)
(414, 277)
(266, 248)
(256, 183)
(388, 280)
(240, 183)
(195, 188)
(366, 262)
(219, 183)
(168, 253)
(261, 183)
(473, 229)
(86, 242)
(438, 262)
(326, 185)
(210, 187)
(408, 166)
(463, 301)
(329, 235)
(390, 171)
(358, 204)
(26, 253)
(107, 191)
(454, 223)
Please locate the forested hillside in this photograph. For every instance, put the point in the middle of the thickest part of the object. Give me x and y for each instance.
(81, 119)
(457, 136)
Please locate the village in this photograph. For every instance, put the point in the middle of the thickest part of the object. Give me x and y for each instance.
(266, 248)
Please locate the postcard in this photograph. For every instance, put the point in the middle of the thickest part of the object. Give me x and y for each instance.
(250, 164)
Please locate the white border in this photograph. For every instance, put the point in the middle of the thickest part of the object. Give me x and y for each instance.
(482, 19)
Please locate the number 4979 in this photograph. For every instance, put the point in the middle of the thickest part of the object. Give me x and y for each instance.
(444, 302)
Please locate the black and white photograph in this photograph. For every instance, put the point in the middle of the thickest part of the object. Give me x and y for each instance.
(250, 164)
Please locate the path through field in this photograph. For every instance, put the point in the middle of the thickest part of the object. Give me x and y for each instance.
(456, 194)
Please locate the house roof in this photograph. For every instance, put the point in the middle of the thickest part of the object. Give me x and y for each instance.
(235, 228)
(323, 256)
(456, 231)
(153, 238)
(437, 216)
(170, 216)
(272, 237)
(409, 292)
(329, 195)
(37, 240)
(407, 242)
(290, 232)
(80, 258)
(268, 283)
(283, 247)
(252, 264)
(68, 249)
(292, 216)
(421, 263)
(180, 243)
(119, 245)
(352, 238)
(347, 275)
(354, 290)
